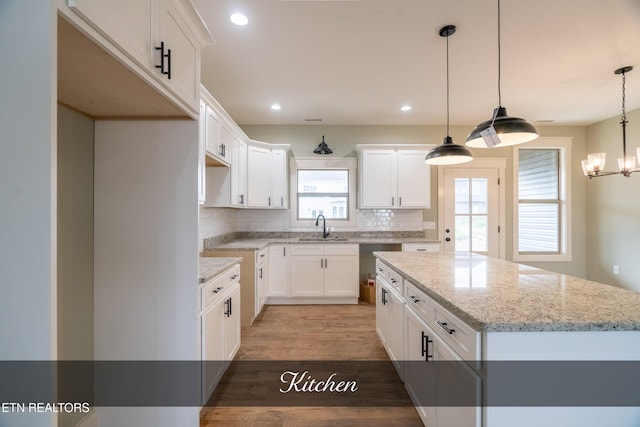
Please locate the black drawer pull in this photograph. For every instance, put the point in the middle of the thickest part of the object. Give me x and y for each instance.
(444, 326)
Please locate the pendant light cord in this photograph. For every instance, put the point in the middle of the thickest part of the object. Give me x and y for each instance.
(499, 56)
(448, 86)
(623, 122)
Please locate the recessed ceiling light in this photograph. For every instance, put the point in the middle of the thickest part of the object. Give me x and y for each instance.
(276, 107)
(405, 108)
(239, 19)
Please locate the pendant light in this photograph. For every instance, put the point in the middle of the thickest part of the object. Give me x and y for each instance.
(323, 148)
(501, 130)
(592, 167)
(448, 153)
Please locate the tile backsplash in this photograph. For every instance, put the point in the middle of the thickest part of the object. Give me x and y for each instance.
(221, 221)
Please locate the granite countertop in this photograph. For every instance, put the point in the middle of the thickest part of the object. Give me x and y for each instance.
(249, 244)
(209, 267)
(494, 295)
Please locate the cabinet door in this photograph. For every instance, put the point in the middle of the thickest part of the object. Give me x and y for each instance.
(232, 323)
(213, 127)
(184, 61)
(395, 342)
(378, 183)
(307, 276)
(382, 311)
(419, 373)
(258, 177)
(278, 271)
(238, 172)
(341, 276)
(127, 23)
(262, 270)
(456, 385)
(213, 352)
(414, 180)
(279, 179)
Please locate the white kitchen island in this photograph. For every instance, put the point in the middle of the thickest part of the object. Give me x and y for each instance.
(503, 323)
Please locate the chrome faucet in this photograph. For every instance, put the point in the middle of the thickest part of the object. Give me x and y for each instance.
(325, 233)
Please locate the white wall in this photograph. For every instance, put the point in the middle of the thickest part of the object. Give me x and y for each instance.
(28, 188)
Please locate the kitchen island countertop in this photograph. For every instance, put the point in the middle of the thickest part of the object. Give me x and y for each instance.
(494, 295)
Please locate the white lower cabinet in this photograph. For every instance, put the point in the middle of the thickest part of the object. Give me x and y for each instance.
(261, 281)
(220, 327)
(324, 271)
(430, 348)
(278, 278)
(389, 322)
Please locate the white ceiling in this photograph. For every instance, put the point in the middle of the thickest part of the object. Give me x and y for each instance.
(358, 62)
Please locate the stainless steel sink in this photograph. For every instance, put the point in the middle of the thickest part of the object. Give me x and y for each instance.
(320, 239)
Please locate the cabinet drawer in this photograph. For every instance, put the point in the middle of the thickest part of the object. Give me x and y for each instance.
(418, 300)
(261, 255)
(462, 339)
(217, 286)
(382, 270)
(337, 249)
(395, 280)
(421, 247)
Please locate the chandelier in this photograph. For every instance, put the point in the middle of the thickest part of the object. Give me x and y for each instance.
(594, 165)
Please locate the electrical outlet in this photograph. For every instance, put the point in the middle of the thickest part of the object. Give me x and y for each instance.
(616, 270)
(429, 225)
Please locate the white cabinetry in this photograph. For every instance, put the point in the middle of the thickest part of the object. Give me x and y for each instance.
(394, 177)
(218, 134)
(238, 172)
(278, 271)
(220, 326)
(262, 282)
(267, 175)
(389, 313)
(324, 273)
(163, 37)
(432, 334)
(421, 247)
(259, 176)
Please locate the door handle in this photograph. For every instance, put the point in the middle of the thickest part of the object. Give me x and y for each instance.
(448, 239)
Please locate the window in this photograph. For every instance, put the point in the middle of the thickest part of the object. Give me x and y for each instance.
(323, 191)
(323, 187)
(541, 202)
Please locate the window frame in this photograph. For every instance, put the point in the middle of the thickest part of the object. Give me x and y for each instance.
(349, 164)
(563, 145)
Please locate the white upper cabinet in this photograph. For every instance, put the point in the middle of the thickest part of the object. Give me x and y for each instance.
(180, 61)
(279, 179)
(126, 23)
(218, 137)
(259, 177)
(267, 176)
(238, 172)
(394, 177)
(163, 37)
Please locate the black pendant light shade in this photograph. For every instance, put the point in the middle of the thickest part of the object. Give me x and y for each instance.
(323, 148)
(510, 131)
(501, 130)
(448, 153)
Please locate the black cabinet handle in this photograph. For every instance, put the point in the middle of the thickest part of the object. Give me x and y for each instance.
(444, 326)
(425, 347)
(269, 201)
(260, 273)
(164, 70)
(414, 299)
(384, 296)
(230, 305)
(218, 289)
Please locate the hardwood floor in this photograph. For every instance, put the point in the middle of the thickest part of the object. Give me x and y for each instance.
(338, 334)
